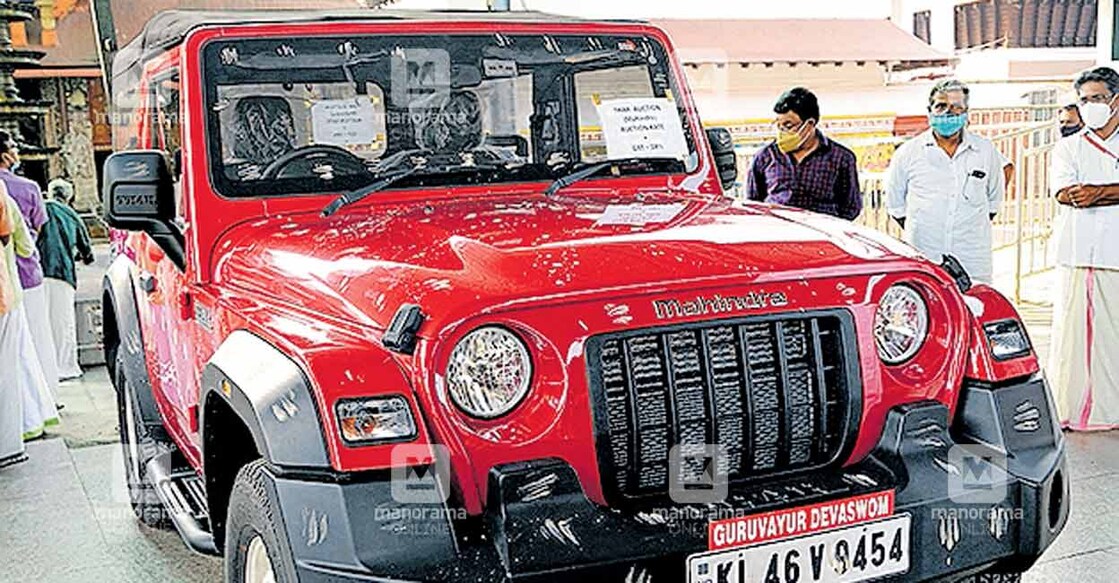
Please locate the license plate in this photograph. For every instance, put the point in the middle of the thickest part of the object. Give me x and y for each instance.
(856, 553)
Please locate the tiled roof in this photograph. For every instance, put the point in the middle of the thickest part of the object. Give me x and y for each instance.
(797, 41)
(77, 46)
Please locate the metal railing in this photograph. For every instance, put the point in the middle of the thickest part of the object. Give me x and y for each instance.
(1026, 220)
(1024, 225)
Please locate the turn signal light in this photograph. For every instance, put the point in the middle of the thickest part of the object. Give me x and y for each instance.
(375, 420)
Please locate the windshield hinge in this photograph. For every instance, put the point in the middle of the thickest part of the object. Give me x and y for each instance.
(401, 334)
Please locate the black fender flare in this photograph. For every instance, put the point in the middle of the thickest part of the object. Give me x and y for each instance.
(119, 298)
(270, 393)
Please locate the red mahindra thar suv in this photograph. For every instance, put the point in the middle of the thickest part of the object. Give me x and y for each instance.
(459, 297)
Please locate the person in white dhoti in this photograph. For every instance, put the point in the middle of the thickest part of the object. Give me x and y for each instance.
(29, 197)
(946, 185)
(1084, 359)
(39, 411)
(63, 238)
(11, 391)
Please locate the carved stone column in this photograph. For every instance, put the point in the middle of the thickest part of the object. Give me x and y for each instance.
(77, 145)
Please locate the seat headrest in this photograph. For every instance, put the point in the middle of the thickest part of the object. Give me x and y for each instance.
(263, 128)
(455, 125)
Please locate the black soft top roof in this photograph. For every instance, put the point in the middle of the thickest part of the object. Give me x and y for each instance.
(168, 29)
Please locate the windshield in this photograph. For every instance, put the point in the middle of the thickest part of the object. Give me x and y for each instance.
(321, 114)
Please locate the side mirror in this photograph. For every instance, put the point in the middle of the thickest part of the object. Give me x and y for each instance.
(726, 161)
(139, 195)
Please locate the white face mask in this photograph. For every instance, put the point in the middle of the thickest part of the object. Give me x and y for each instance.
(1095, 115)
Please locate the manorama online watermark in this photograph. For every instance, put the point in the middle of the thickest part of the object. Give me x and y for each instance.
(976, 513)
(419, 513)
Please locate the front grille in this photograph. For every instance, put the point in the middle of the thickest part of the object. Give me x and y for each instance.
(779, 393)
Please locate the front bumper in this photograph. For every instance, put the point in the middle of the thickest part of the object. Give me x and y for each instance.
(997, 508)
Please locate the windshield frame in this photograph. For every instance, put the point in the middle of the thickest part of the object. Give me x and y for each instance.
(695, 163)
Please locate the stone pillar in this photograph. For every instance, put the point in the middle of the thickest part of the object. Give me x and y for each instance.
(77, 145)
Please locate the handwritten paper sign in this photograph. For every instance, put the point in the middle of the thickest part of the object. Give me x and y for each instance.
(642, 127)
(344, 122)
(639, 214)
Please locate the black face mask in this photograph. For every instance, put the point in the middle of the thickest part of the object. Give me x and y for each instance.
(1067, 131)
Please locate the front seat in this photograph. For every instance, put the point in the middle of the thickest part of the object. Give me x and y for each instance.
(263, 129)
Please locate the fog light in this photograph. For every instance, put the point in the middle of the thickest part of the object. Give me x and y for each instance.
(375, 420)
(1007, 339)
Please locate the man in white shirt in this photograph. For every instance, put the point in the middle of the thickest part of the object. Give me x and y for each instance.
(945, 185)
(1084, 360)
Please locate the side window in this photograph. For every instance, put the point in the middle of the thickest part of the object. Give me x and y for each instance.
(168, 134)
(594, 87)
(167, 128)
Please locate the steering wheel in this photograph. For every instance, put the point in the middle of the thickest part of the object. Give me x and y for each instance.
(304, 161)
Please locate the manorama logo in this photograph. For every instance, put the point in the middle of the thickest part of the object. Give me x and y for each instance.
(414, 479)
(697, 473)
(976, 475)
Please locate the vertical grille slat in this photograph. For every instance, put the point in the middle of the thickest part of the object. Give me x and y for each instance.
(772, 392)
(822, 397)
(649, 391)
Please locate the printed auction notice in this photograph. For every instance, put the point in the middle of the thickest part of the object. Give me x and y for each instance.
(642, 127)
(344, 122)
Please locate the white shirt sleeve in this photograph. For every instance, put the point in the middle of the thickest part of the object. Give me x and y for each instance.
(1063, 171)
(897, 184)
(996, 189)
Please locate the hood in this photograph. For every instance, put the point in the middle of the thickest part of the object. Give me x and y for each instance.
(465, 256)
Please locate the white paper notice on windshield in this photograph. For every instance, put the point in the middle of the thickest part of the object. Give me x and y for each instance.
(344, 122)
(642, 127)
(639, 214)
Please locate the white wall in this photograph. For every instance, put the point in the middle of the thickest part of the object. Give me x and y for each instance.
(942, 20)
(1105, 33)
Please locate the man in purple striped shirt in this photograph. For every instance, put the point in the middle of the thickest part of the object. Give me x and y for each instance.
(802, 167)
(30, 200)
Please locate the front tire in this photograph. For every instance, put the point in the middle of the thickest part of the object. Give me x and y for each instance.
(256, 545)
(139, 447)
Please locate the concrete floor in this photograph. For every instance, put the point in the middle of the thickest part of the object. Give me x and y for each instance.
(64, 515)
(66, 518)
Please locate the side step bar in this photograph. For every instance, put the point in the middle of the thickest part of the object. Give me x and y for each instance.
(183, 496)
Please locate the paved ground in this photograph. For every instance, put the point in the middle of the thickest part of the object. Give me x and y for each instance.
(64, 516)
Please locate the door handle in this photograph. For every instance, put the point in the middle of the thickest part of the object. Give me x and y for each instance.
(147, 282)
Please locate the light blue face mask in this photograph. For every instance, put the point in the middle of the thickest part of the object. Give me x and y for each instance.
(947, 124)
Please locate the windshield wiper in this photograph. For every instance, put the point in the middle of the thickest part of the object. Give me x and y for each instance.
(360, 193)
(383, 183)
(583, 173)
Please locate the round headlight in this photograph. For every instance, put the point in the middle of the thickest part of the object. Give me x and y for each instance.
(489, 372)
(900, 324)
